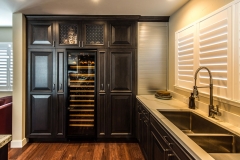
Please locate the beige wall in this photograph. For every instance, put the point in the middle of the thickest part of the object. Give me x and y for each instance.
(189, 13)
(5, 34)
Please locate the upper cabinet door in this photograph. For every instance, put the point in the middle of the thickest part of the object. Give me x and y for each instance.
(121, 70)
(41, 34)
(40, 70)
(122, 34)
(94, 34)
(68, 34)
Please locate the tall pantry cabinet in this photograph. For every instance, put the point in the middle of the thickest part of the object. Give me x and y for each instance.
(117, 82)
(46, 83)
(50, 40)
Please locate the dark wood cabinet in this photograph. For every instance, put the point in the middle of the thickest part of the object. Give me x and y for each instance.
(41, 34)
(155, 141)
(45, 106)
(116, 91)
(121, 115)
(159, 147)
(138, 121)
(122, 34)
(143, 129)
(81, 34)
(94, 34)
(68, 34)
(48, 39)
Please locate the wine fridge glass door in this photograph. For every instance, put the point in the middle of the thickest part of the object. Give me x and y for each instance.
(81, 92)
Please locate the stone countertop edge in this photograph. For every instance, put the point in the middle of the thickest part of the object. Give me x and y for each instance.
(152, 104)
(4, 139)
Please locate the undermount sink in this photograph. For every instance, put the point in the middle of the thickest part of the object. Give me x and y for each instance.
(209, 136)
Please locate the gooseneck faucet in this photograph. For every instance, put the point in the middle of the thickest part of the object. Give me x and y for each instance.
(212, 111)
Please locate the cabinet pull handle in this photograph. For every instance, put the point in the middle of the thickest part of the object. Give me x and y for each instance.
(171, 155)
(53, 43)
(108, 86)
(165, 139)
(60, 86)
(102, 86)
(53, 86)
(79, 44)
(82, 43)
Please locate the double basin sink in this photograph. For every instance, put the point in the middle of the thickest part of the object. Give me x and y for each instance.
(209, 136)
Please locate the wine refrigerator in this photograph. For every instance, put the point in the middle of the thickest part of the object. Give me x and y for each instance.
(81, 93)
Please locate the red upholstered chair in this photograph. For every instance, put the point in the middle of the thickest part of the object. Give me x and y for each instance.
(6, 115)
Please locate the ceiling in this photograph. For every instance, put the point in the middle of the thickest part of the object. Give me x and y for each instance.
(87, 7)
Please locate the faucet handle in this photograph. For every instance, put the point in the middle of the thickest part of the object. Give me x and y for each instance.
(195, 92)
(217, 110)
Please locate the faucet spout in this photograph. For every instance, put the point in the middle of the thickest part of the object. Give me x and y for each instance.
(195, 91)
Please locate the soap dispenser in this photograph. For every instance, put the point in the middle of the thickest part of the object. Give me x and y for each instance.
(191, 104)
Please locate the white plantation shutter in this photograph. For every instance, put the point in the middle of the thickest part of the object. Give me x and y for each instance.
(207, 43)
(185, 56)
(214, 52)
(6, 66)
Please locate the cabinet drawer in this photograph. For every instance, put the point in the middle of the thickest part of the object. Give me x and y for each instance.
(145, 112)
(169, 140)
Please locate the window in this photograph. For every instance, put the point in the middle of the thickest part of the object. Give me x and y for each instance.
(207, 42)
(6, 66)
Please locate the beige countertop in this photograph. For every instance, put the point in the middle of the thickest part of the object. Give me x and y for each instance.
(153, 104)
(4, 139)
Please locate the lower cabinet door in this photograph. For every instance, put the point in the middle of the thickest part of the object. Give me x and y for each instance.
(121, 118)
(41, 116)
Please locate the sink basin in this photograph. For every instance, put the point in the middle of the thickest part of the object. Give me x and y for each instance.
(215, 143)
(190, 122)
(209, 136)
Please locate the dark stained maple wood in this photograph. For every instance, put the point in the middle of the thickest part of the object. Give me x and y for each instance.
(41, 34)
(77, 151)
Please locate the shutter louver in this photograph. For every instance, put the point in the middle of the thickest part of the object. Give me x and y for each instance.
(185, 56)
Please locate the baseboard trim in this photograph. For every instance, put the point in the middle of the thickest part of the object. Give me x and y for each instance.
(18, 143)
